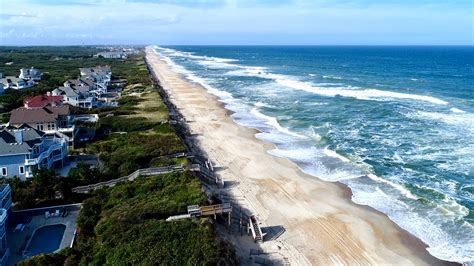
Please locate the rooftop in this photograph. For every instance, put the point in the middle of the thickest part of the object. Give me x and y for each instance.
(9, 144)
(42, 101)
(24, 115)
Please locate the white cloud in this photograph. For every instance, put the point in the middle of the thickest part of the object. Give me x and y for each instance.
(232, 21)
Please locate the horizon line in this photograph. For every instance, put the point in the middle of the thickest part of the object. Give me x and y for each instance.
(66, 45)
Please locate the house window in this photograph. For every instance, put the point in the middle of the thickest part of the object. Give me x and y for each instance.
(49, 126)
(4, 171)
(22, 170)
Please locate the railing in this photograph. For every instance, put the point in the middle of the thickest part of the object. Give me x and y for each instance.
(5, 190)
(216, 209)
(8, 204)
(28, 174)
(3, 216)
(45, 154)
(131, 177)
(3, 230)
(60, 129)
(5, 255)
(255, 229)
(31, 162)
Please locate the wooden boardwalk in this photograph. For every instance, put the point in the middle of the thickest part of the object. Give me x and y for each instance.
(141, 172)
(210, 210)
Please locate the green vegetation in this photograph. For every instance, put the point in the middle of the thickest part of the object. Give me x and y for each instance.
(48, 189)
(124, 224)
(124, 153)
(59, 64)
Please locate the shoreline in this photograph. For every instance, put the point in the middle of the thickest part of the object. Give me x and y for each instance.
(322, 224)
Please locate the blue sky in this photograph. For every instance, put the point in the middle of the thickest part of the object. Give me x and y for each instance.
(284, 22)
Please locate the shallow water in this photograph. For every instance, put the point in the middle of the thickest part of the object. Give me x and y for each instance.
(395, 124)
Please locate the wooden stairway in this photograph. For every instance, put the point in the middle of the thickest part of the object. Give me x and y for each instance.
(255, 228)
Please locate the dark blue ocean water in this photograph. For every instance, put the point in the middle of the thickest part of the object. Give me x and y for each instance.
(395, 124)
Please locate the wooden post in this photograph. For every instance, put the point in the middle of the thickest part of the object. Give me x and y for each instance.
(240, 223)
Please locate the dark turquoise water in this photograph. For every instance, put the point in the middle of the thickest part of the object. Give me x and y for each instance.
(46, 239)
(396, 124)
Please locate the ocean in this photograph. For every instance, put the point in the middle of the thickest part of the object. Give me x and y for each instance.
(393, 123)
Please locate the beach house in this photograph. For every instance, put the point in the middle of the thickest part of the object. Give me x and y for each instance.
(76, 96)
(15, 83)
(5, 205)
(100, 75)
(53, 120)
(24, 149)
(112, 55)
(82, 83)
(30, 74)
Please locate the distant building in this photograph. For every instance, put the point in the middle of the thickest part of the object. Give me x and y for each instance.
(100, 75)
(11, 82)
(77, 96)
(24, 149)
(5, 205)
(30, 74)
(112, 55)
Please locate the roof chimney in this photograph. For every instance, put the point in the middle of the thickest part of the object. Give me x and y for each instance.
(18, 136)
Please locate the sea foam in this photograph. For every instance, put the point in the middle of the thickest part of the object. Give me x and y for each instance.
(387, 194)
(346, 91)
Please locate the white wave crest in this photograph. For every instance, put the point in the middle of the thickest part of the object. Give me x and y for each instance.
(347, 91)
(334, 154)
(399, 187)
(272, 121)
(462, 120)
(361, 94)
(331, 77)
(456, 110)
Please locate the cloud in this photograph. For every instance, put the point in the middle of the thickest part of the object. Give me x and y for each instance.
(8, 16)
(234, 22)
(60, 3)
(185, 3)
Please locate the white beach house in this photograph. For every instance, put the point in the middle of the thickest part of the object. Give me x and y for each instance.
(15, 83)
(30, 74)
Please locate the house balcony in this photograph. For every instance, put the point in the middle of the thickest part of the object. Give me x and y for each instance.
(29, 174)
(3, 219)
(54, 145)
(4, 255)
(67, 129)
(7, 204)
(30, 162)
(5, 190)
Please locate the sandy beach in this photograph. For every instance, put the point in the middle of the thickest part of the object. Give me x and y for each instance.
(321, 225)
